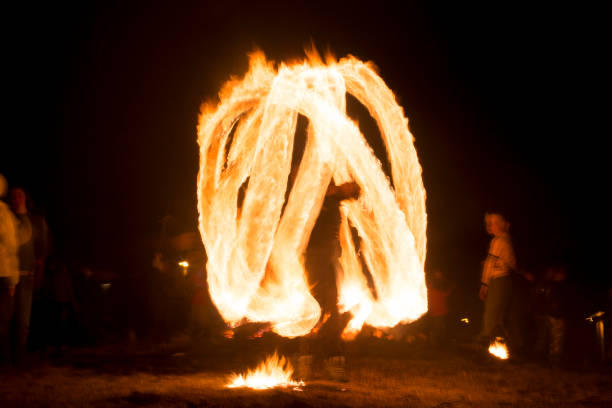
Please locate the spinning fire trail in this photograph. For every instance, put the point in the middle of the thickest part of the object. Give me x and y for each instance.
(256, 249)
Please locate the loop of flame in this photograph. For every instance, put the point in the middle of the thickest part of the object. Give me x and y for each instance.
(275, 371)
(256, 250)
(498, 349)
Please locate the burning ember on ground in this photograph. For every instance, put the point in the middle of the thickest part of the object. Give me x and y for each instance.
(256, 248)
(498, 348)
(274, 372)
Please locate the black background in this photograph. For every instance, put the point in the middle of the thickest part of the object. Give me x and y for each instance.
(103, 101)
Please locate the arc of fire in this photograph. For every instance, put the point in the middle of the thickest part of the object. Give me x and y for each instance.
(255, 255)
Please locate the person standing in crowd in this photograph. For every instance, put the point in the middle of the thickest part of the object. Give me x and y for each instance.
(161, 285)
(9, 271)
(43, 246)
(27, 263)
(520, 315)
(496, 281)
(438, 291)
(42, 243)
(553, 295)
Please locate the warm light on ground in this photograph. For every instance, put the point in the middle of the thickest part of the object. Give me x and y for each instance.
(256, 249)
(274, 372)
(498, 349)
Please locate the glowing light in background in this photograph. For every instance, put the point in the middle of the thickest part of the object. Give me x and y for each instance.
(256, 248)
(185, 266)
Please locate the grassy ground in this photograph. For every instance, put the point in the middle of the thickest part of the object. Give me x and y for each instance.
(380, 373)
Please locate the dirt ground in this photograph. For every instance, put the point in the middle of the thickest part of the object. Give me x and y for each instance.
(380, 373)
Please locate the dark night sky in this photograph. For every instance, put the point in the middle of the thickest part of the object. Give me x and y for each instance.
(104, 102)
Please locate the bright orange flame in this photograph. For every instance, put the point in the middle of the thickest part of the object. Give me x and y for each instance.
(255, 255)
(498, 349)
(275, 371)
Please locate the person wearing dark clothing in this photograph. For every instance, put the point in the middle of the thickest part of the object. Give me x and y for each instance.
(60, 305)
(161, 288)
(88, 294)
(520, 314)
(438, 291)
(43, 243)
(552, 295)
(27, 261)
(322, 264)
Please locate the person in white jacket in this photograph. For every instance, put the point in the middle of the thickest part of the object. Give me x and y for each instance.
(9, 270)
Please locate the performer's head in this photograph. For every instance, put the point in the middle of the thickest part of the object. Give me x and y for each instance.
(496, 223)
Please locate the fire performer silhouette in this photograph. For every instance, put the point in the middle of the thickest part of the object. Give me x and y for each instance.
(262, 242)
(324, 344)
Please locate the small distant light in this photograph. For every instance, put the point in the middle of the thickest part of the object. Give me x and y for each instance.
(105, 286)
(184, 265)
(465, 320)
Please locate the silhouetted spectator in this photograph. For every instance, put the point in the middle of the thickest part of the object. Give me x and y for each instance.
(519, 318)
(552, 293)
(161, 287)
(27, 264)
(88, 293)
(9, 271)
(199, 304)
(438, 292)
(62, 303)
(41, 244)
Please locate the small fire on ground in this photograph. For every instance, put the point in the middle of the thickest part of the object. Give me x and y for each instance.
(498, 348)
(274, 372)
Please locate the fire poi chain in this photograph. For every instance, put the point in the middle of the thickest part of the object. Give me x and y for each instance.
(255, 255)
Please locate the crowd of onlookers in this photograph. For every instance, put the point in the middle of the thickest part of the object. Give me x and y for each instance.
(46, 300)
(50, 302)
(539, 315)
